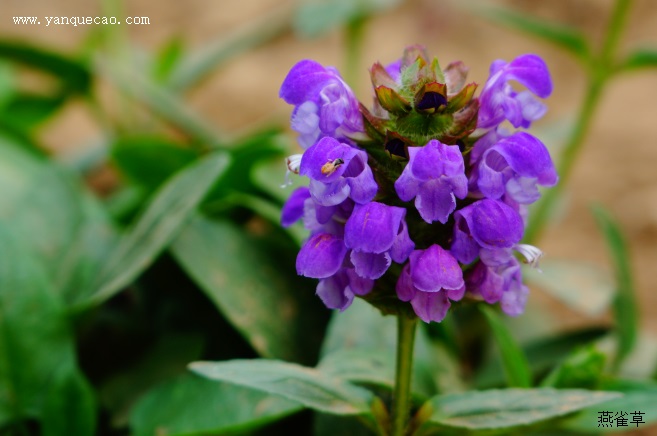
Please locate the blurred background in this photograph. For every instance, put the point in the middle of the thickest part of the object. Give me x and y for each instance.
(209, 71)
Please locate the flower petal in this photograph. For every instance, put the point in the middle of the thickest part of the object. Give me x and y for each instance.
(431, 306)
(370, 265)
(373, 227)
(434, 269)
(435, 201)
(293, 207)
(321, 256)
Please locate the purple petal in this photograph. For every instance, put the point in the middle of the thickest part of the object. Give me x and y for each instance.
(528, 157)
(293, 207)
(406, 185)
(427, 162)
(464, 247)
(370, 265)
(405, 289)
(434, 269)
(327, 150)
(373, 227)
(430, 306)
(330, 194)
(493, 224)
(362, 184)
(335, 292)
(514, 300)
(302, 80)
(358, 284)
(403, 246)
(321, 256)
(532, 72)
(435, 201)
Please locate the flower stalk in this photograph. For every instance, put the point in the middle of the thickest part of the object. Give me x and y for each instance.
(401, 398)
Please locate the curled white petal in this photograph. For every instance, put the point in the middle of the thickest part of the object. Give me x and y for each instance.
(293, 163)
(531, 254)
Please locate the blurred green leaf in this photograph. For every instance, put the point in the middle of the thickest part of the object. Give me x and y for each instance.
(625, 305)
(63, 225)
(583, 369)
(584, 287)
(74, 75)
(162, 219)
(368, 337)
(26, 110)
(70, 408)
(515, 362)
(640, 58)
(297, 383)
(245, 155)
(542, 354)
(35, 338)
(150, 161)
(638, 396)
(563, 36)
(507, 409)
(192, 405)
(167, 59)
(315, 17)
(260, 298)
(261, 28)
(168, 358)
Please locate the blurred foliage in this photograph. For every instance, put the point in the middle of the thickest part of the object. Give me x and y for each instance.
(105, 299)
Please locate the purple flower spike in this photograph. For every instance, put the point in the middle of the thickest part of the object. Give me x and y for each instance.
(321, 256)
(498, 100)
(434, 175)
(338, 291)
(515, 165)
(337, 171)
(376, 233)
(485, 224)
(324, 103)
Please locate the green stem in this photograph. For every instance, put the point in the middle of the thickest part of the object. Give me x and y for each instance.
(401, 399)
(600, 68)
(355, 31)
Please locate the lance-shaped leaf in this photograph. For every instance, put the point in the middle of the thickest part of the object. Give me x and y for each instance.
(640, 58)
(305, 385)
(506, 409)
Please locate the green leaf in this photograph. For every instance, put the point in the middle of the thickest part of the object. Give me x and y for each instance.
(167, 359)
(297, 383)
(156, 228)
(315, 17)
(585, 287)
(516, 367)
(638, 396)
(167, 59)
(26, 110)
(259, 294)
(640, 58)
(559, 34)
(192, 405)
(583, 369)
(149, 161)
(70, 407)
(62, 225)
(626, 312)
(542, 354)
(358, 345)
(506, 409)
(35, 338)
(72, 73)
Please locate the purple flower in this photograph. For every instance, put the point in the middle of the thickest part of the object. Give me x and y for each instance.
(429, 281)
(485, 225)
(338, 291)
(324, 103)
(293, 209)
(321, 256)
(337, 171)
(377, 235)
(514, 165)
(434, 175)
(498, 101)
(500, 283)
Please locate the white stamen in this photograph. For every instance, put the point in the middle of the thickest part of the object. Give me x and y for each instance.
(293, 163)
(531, 254)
